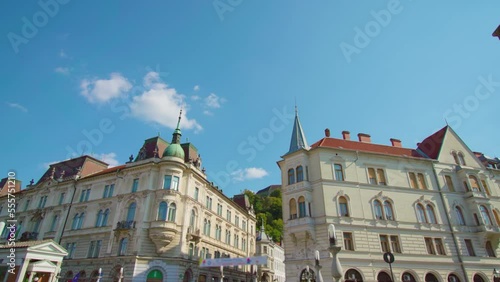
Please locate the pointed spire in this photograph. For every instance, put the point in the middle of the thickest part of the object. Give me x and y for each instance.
(176, 137)
(298, 140)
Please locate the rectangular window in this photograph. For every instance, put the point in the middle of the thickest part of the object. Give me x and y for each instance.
(384, 243)
(371, 176)
(413, 180)
(108, 191)
(26, 205)
(421, 181)
(485, 187)
(135, 185)
(449, 183)
(470, 249)
(41, 203)
(228, 216)
(396, 248)
(84, 197)
(167, 182)
(381, 177)
(196, 193)
(87, 195)
(54, 223)
(339, 174)
(439, 246)
(348, 243)
(61, 198)
(71, 250)
(175, 183)
(430, 246)
(244, 225)
(219, 209)
(237, 221)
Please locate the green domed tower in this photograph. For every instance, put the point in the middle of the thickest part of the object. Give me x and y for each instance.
(175, 149)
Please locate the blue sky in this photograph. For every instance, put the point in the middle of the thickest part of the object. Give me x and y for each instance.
(119, 72)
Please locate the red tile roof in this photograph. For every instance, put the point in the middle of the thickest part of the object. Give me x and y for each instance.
(431, 146)
(108, 170)
(365, 147)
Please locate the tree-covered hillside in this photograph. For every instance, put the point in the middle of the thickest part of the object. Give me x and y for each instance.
(269, 209)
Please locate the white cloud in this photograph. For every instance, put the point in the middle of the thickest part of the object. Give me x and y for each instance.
(103, 90)
(208, 113)
(196, 88)
(249, 173)
(160, 104)
(62, 70)
(17, 106)
(195, 97)
(109, 158)
(63, 54)
(213, 101)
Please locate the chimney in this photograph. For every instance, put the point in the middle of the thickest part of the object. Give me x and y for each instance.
(396, 143)
(327, 132)
(363, 137)
(346, 135)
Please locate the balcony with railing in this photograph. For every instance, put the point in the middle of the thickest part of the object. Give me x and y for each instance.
(193, 234)
(125, 225)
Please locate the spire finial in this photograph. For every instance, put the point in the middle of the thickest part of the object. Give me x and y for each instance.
(296, 109)
(179, 121)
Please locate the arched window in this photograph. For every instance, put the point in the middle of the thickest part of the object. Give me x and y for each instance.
(384, 277)
(293, 209)
(82, 276)
(302, 206)
(131, 212)
(352, 275)
(162, 211)
(191, 250)
(429, 277)
(460, 215)
(455, 157)
(300, 173)
(431, 215)
(453, 278)
(291, 176)
(489, 249)
(421, 214)
(466, 186)
(105, 218)
(408, 277)
(209, 227)
(474, 184)
(171, 212)
(154, 276)
(99, 219)
(192, 219)
(378, 209)
(449, 183)
(389, 214)
(461, 158)
(344, 208)
(485, 214)
(478, 278)
(94, 276)
(307, 275)
(122, 248)
(205, 226)
(497, 217)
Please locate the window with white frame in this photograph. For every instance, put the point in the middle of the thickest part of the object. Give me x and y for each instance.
(376, 176)
(343, 206)
(426, 214)
(108, 191)
(383, 210)
(171, 182)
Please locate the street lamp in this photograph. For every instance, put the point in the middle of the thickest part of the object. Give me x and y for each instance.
(334, 250)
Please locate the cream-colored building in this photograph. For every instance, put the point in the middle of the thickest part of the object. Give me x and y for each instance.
(436, 208)
(274, 270)
(151, 219)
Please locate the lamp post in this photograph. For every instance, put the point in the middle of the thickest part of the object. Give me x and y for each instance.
(99, 276)
(334, 250)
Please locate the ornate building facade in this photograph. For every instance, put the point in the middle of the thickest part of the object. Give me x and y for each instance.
(436, 208)
(274, 270)
(151, 219)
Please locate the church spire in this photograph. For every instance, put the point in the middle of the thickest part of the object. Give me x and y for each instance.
(298, 140)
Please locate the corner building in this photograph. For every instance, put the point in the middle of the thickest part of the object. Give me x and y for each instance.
(435, 207)
(151, 219)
